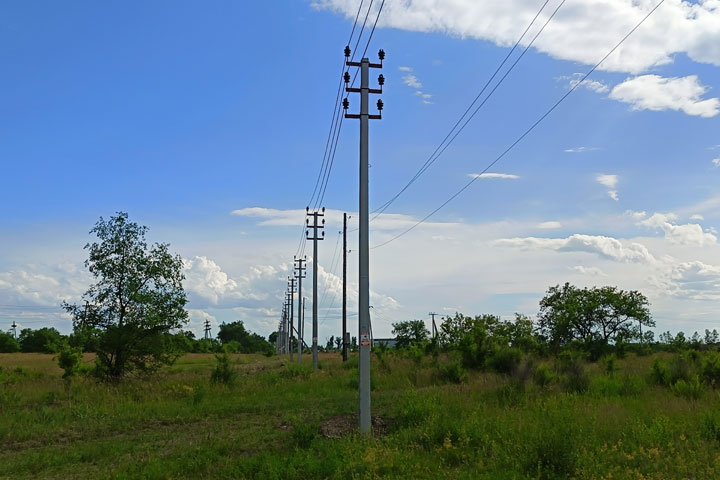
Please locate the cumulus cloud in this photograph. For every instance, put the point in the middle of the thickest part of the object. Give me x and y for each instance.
(581, 32)
(688, 234)
(609, 181)
(716, 162)
(653, 92)
(606, 247)
(592, 85)
(405, 69)
(507, 176)
(694, 279)
(589, 271)
(697, 217)
(550, 225)
(411, 81)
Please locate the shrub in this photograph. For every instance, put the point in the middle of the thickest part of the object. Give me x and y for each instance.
(691, 389)
(453, 372)
(610, 365)
(711, 369)
(8, 344)
(544, 376)
(505, 360)
(223, 371)
(660, 373)
(303, 433)
(70, 360)
(576, 379)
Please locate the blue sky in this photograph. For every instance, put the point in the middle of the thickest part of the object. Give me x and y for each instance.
(207, 122)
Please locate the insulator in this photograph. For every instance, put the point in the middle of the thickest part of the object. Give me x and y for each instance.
(346, 103)
(381, 54)
(307, 209)
(380, 105)
(346, 77)
(347, 51)
(381, 80)
(323, 209)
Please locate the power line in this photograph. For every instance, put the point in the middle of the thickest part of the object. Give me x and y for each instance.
(443, 145)
(530, 129)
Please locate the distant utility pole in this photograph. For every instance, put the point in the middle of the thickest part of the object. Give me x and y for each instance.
(299, 274)
(344, 300)
(364, 274)
(315, 239)
(283, 341)
(207, 329)
(434, 327)
(288, 323)
(14, 327)
(291, 286)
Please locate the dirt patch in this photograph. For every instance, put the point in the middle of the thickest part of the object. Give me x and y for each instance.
(341, 425)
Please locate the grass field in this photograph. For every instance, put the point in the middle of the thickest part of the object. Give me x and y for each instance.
(275, 419)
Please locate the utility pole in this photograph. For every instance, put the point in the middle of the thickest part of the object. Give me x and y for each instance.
(288, 322)
(364, 274)
(300, 275)
(207, 329)
(344, 300)
(291, 285)
(434, 327)
(302, 331)
(315, 239)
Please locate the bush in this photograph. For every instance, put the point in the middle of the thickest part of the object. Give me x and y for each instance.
(505, 360)
(691, 389)
(543, 376)
(711, 369)
(303, 433)
(453, 372)
(70, 360)
(610, 365)
(8, 344)
(660, 373)
(223, 371)
(576, 379)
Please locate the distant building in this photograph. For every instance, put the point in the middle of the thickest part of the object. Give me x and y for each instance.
(389, 342)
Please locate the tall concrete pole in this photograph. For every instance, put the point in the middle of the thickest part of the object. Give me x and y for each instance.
(364, 248)
(315, 226)
(344, 293)
(299, 275)
(291, 280)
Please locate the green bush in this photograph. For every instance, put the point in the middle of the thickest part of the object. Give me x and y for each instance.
(544, 375)
(223, 371)
(611, 365)
(691, 389)
(8, 344)
(505, 360)
(303, 433)
(660, 373)
(575, 376)
(711, 369)
(453, 372)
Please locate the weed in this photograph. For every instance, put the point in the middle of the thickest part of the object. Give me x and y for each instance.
(223, 371)
(691, 389)
(453, 372)
(544, 376)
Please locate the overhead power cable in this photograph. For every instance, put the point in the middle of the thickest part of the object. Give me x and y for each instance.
(530, 129)
(448, 140)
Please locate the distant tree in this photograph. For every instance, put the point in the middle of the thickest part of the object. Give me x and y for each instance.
(248, 342)
(353, 343)
(338, 343)
(410, 332)
(602, 315)
(330, 343)
(272, 338)
(138, 299)
(8, 344)
(43, 340)
(711, 338)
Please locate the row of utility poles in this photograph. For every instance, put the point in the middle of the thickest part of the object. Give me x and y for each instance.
(284, 341)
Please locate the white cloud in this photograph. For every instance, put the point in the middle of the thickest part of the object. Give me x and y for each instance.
(694, 279)
(716, 162)
(589, 271)
(411, 81)
(592, 85)
(636, 215)
(550, 225)
(606, 247)
(581, 32)
(689, 234)
(697, 217)
(609, 181)
(580, 149)
(507, 176)
(405, 69)
(653, 92)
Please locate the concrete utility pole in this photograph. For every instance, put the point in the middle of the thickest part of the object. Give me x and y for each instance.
(288, 316)
(434, 327)
(291, 285)
(300, 275)
(281, 331)
(344, 300)
(302, 330)
(315, 239)
(364, 275)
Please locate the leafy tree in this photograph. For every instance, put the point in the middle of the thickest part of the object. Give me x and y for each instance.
(712, 338)
(330, 343)
(44, 340)
(138, 298)
(592, 315)
(8, 344)
(248, 342)
(411, 332)
(272, 338)
(338, 343)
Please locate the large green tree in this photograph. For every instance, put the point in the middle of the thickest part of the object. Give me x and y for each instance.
(604, 314)
(8, 344)
(235, 335)
(409, 333)
(136, 300)
(43, 340)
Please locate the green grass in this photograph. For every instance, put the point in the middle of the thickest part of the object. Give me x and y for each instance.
(267, 423)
